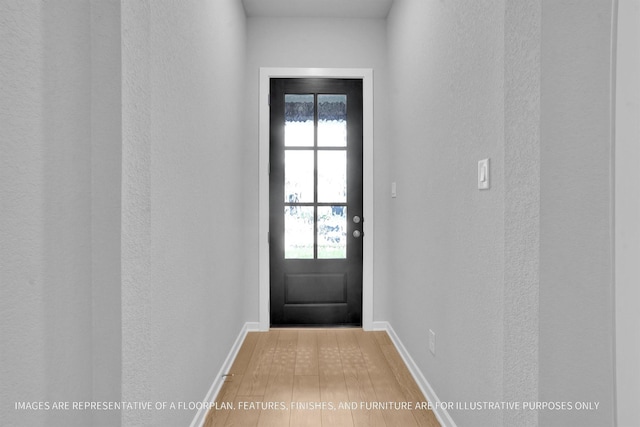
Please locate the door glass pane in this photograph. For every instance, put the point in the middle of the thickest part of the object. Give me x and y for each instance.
(332, 232)
(298, 232)
(298, 117)
(332, 176)
(332, 120)
(298, 176)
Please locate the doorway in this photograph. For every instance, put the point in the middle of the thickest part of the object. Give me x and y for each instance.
(316, 202)
(366, 75)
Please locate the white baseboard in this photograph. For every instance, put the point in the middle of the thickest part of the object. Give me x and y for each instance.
(380, 326)
(441, 414)
(201, 415)
(252, 326)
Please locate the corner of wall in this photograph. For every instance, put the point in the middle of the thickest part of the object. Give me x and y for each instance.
(106, 209)
(522, 208)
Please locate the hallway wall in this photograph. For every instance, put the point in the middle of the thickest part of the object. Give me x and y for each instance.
(576, 281)
(86, 101)
(182, 223)
(447, 251)
(45, 209)
(515, 281)
(324, 43)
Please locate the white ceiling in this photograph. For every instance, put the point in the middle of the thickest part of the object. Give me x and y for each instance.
(318, 8)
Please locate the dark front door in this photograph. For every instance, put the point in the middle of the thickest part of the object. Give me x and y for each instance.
(315, 199)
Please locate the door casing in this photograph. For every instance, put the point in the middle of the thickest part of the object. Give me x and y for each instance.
(366, 74)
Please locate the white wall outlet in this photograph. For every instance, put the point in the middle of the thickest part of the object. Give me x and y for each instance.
(483, 174)
(432, 342)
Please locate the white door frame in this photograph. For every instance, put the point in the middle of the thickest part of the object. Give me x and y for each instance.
(366, 74)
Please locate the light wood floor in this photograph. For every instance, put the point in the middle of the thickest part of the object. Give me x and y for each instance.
(296, 371)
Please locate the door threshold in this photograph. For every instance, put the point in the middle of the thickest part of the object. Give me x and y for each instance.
(312, 327)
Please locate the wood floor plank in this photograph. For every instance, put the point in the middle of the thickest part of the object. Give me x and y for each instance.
(280, 382)
(306, 393)
(384, 381)
(333, 388)
(256, 375)
(226, 395)
(409, 386)
(279, 388)
(307, 353)
(229, 389)
(246, 413)
(382, 337)
(275, 417)
(359, 386)
(244, 354)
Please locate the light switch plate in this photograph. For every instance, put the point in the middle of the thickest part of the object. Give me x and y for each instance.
(394, 191)
(483, 175)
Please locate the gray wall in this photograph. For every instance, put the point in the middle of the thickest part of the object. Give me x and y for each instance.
(522, 207)
(183, 260)
(576, 306)
(325, 43)
(516, 282)
(447, 253)
(45, 213)
(121, 186)
(106, 207)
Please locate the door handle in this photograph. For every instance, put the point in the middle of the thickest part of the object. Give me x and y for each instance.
(357, 234)
(357, 219)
